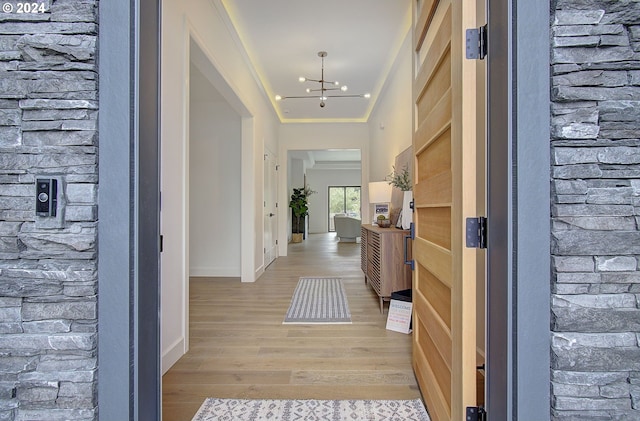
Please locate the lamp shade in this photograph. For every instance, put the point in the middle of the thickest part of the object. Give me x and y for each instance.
(379, 192)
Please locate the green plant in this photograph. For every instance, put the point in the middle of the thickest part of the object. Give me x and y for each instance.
(400, 179)
(300, 208)
(383, 221)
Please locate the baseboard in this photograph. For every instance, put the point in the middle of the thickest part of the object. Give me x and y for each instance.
(172, 355)
(259, 272)
(215, 272)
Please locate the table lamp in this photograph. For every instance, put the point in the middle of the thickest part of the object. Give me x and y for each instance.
(380, 197)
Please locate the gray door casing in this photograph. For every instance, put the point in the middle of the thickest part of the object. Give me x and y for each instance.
(129, 384)
(518, 208)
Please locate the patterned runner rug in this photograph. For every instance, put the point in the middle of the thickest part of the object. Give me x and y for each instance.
(289, 410)
(318, 300)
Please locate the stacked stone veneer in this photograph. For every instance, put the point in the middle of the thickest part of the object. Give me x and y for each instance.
(595, 109)
(48, 273)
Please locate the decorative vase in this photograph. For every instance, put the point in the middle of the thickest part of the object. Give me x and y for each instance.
(407, 212)
(384, 223)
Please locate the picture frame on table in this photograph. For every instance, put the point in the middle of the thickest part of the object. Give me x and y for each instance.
(381, 209)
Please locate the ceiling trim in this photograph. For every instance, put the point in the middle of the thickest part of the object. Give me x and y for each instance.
(324, 120)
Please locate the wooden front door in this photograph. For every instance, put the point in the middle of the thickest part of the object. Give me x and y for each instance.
(448, 188)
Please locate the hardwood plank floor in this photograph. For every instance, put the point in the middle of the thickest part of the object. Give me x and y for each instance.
(240, 349)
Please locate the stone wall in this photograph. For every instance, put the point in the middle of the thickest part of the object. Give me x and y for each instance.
(48, 273)
(595, 118)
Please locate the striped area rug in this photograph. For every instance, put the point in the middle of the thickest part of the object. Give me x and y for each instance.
(318, 300)
(325, 410)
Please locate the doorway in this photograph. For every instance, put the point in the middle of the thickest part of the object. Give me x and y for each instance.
(148, 320)
(214, 150)
(343, 200)
(205, 163)
(322, 170)
(270, 190)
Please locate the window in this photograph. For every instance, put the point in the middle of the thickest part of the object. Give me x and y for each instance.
(343, 200)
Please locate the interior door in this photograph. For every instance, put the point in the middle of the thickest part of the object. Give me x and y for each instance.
(270, 207)
(448, 188)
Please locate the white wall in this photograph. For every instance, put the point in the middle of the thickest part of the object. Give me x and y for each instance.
(319, 180)
(204, 23)
(391, 120)
(214, 200)
(391, 123)
(296, 173)
(317, 136)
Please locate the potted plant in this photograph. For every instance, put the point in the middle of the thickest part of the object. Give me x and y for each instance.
(383, 222)
(299, 205)
(402, 180)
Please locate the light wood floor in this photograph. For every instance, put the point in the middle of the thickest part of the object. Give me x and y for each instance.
(239, 347)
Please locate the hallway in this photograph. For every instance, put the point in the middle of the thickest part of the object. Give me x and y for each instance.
(240, 349)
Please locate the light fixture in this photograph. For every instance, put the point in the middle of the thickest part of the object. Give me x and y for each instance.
(379, 196)
(331, 86)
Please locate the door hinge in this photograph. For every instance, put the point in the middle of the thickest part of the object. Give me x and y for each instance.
(476, 43)
(477, 232)
(161, 243)
(276, 242)
(277, 167)
(476, 413)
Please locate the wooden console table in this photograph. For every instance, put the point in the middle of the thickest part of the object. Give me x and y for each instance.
(382, 261)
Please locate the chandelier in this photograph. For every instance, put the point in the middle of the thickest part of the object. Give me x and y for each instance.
(324, 87)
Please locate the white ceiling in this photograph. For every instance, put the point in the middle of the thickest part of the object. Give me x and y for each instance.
(283, 37)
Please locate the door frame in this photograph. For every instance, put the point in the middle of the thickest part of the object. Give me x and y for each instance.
(518, 183)
(518, 201)
(129, 385)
